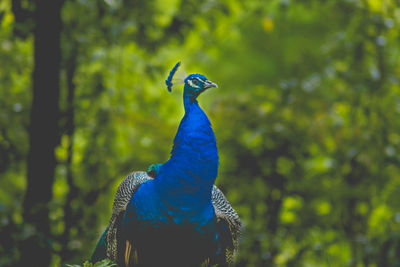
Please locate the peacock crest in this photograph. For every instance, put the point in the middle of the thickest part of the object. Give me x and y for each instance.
(169, 80)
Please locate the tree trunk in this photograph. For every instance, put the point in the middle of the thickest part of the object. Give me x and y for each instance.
(43, 133)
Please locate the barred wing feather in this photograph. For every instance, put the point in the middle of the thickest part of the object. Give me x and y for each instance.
(129, 186)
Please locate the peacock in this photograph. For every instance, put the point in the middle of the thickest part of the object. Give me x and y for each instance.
(173, 214)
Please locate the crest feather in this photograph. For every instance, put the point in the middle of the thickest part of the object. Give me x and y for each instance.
(168, 81)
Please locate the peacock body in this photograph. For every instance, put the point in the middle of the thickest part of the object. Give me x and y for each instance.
(177, 217)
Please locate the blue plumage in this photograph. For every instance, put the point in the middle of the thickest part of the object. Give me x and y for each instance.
(180, 197)
(179, 218)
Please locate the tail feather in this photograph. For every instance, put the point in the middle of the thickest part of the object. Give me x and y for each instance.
(131, 256)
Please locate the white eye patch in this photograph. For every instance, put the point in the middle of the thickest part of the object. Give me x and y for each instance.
(190, 82)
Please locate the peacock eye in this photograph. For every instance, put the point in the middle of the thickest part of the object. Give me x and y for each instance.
(196, 81)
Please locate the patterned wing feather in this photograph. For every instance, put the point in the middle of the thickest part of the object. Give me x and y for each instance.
(131, 183)
(228, 215)
(124, 193)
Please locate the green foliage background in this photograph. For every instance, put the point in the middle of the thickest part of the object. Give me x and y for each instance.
(306, 118)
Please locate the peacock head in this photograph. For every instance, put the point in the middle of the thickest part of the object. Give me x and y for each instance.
(195, 84)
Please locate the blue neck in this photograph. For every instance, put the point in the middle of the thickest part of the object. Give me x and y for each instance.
(186, 180)
(182, 188)
(189, 100)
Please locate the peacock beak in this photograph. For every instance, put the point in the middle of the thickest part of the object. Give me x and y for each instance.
(209, 84)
